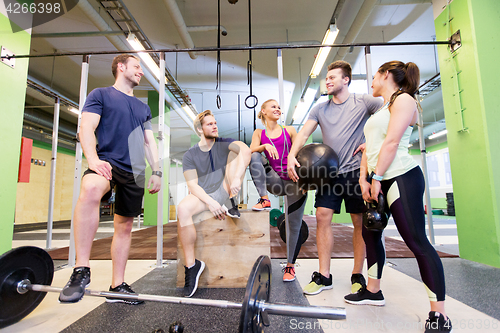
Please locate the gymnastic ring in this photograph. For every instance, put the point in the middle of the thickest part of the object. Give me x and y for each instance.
(218, 101)
(256, 101)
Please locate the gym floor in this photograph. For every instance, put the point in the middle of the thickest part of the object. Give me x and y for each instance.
(472, 291)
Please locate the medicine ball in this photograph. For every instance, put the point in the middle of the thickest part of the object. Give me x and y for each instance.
(319, 164)
(304, 230)
(376, 215)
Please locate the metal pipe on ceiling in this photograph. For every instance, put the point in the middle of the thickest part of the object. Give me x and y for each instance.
(78, 34)
(41, 120)
(356, 27)
(49, 92)
(179, 23)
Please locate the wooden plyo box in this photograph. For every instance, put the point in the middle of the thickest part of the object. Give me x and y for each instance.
(228, 247)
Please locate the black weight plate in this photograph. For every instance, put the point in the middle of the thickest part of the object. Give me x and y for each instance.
(26, 262)
(304, 230)
(258, 289)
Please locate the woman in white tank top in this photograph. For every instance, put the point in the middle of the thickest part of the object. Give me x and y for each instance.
(398, 177)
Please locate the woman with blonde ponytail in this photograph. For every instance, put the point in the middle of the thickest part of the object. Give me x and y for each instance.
(387, 168)
(269, 173)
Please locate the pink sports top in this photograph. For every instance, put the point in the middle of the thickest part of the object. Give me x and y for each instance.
(283, 148)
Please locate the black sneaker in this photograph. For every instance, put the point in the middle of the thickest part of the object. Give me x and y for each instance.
(74, 290)
(365, 297)
(437, 323)
(192, 275)
(234, 212)
(357, 282)
(124, 289)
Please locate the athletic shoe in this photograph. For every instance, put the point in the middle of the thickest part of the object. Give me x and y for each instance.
(289, 274)
(192, 275)
(357, 282)
(318, 284)
(74, 290)
(437, 323)
(233, 212)
(124, 289)
(262, 204)
(365, 297)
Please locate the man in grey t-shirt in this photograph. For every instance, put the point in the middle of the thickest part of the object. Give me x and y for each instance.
(341, 119)
(213, 169)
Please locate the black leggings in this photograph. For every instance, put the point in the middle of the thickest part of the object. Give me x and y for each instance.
(404, 195)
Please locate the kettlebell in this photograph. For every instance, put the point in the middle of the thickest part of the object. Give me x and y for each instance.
(377, 214)
(304, 230)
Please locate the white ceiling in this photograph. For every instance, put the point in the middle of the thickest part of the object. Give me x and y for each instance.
(273, 22)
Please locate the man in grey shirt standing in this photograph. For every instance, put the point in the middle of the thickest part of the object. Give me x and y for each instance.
(213, 169)
(342, 120)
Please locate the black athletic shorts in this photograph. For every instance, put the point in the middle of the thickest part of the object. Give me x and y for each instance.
(129, 191)
(344, 187)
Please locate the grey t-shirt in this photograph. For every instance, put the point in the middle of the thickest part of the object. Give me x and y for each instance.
(209, 165)
(342, 126)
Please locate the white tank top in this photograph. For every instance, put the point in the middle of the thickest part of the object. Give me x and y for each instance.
(375, 133)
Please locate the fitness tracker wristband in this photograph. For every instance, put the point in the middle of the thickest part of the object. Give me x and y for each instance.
(157, 173)
(376, 177)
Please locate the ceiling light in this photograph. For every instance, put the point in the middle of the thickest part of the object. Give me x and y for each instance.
(438, 134)
(323, 52)
(188, 111)
(303, 106)
(74, 110)
(148, 61)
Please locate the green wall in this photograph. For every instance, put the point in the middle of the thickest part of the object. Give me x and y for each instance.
(469, 80)
(12, 95)
(151, 200)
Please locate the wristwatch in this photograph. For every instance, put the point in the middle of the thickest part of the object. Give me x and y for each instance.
(157, 173)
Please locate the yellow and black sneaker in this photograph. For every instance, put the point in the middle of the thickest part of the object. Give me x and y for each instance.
(357, 282)
(318, 284)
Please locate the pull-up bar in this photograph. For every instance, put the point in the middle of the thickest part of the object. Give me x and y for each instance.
(230, 48)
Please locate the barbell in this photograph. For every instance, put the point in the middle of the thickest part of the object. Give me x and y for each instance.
(27, 272)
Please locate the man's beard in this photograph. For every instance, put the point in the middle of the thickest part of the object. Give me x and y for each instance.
(211, 136)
